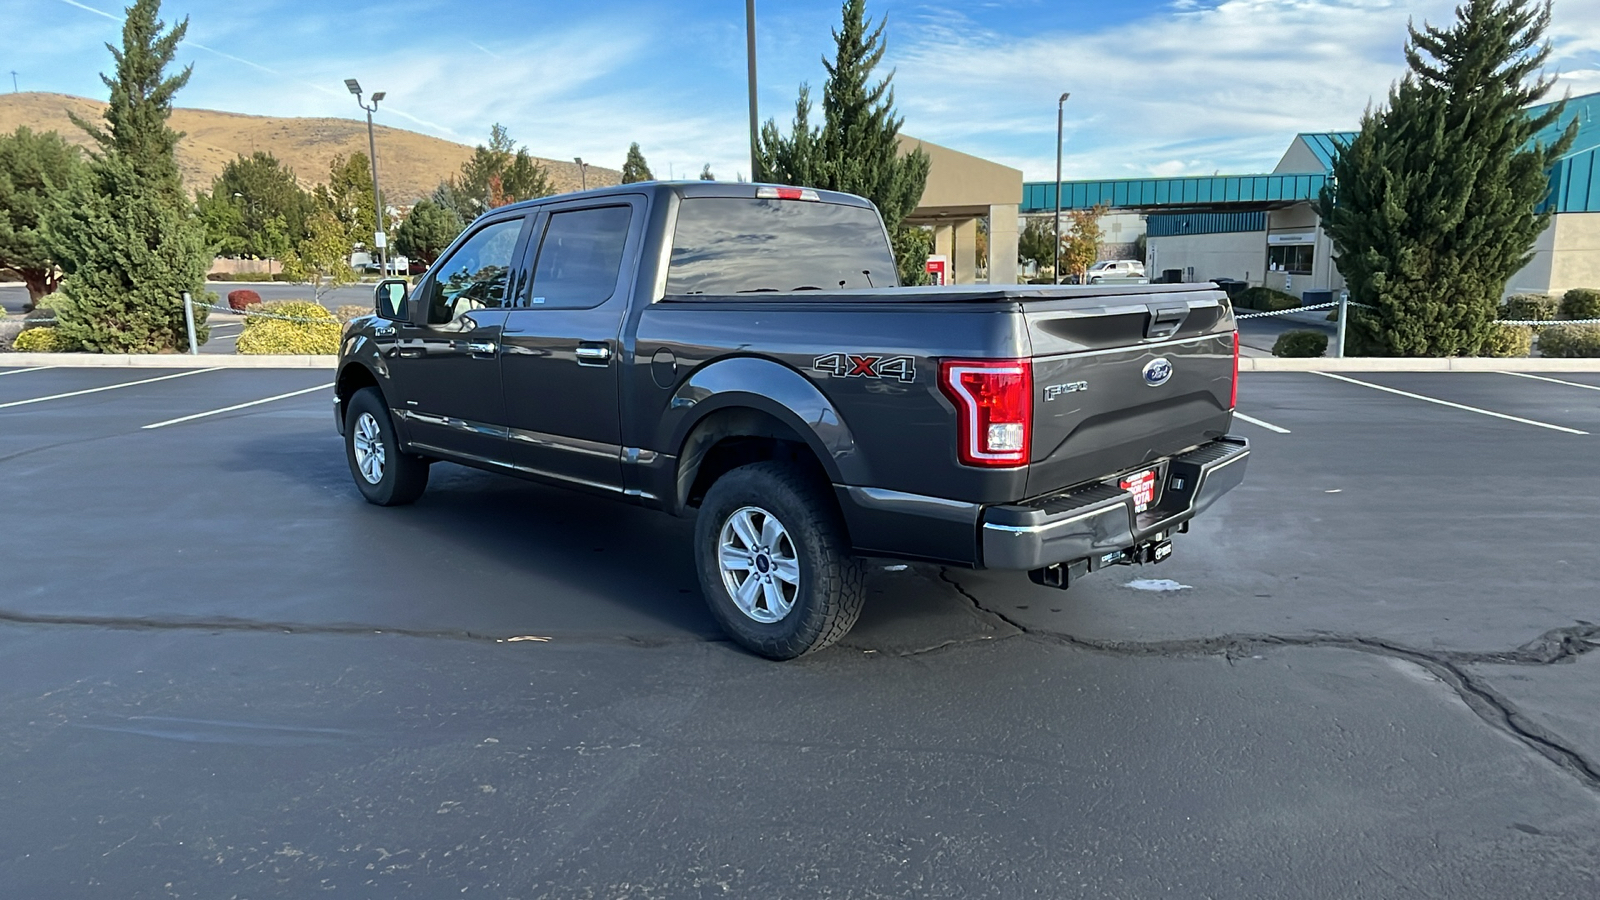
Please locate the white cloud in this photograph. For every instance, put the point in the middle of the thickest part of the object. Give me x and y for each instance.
(1200, 89)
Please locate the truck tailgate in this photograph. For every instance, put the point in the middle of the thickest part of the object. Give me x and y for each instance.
(1124, 380)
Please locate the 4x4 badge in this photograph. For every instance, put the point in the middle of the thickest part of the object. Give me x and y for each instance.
(856, 365)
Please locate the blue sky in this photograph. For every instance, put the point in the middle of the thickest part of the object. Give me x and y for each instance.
(1184, 87)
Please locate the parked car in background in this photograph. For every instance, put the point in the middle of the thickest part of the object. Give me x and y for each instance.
(1111, 271)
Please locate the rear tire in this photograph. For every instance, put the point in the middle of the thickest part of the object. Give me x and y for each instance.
(774, 562)
(385, 474)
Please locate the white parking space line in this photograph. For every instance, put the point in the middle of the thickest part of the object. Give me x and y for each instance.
(214, 412)
(20, 371)
(1267, 425)
(1576, 384)
(109, 387)
(1486, 412)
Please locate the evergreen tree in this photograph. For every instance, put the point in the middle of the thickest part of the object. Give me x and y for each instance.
(634, 168)
(495, 175)
(1431, 206)
(251, 192)
(36, 172)
(706, 173)
(1036, 244)
(129, 241)
(427, 231)
(857, 148)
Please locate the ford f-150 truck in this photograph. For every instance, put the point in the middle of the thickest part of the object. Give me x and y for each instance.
(743, 354)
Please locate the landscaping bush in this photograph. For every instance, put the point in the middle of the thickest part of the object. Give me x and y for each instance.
(1266, 299)
(1581, 303)
(41, 340)
(219, 276)
(8, 333)
(350, 312)
(280, 277)
(1300, 344)
(1509, 340)
(318, 337)
(1570, 341)
(1530, 307)
(242, 298)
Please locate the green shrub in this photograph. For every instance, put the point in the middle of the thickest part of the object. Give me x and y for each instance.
(41, 340)
(1570, 341)
(318, 337)
(1300, 344)
(1509, 340)
(1530, 307)
(1266, 299)
(1581, 303)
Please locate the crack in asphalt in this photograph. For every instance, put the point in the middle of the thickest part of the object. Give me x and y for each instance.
(1559, 645)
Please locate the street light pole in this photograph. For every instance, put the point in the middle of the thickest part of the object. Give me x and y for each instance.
(380, 234)
(750, 53)
(1061, 106)
(583, 172)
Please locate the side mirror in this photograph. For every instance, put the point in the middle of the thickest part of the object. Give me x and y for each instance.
(390, 301)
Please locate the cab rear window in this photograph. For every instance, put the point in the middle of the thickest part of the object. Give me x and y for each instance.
(748, 246)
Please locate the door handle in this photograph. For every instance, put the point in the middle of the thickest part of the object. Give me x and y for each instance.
(481, 348)
(591, 354)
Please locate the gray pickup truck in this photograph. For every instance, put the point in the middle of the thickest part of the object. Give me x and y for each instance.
(744, 355)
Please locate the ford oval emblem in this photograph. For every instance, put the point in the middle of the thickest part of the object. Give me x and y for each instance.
(1157, 372)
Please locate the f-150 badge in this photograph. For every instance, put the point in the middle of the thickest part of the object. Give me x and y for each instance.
(853, 365)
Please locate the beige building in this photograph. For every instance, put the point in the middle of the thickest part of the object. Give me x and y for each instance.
(962, 190)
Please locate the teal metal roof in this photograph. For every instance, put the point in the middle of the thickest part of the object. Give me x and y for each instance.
(1324, 144)
(1574, 180)
(1235, 191)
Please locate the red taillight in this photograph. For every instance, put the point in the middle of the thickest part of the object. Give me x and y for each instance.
(1233, 399)
(994, 398)
(772, 192)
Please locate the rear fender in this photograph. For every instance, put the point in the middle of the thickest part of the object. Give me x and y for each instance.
(779, 392)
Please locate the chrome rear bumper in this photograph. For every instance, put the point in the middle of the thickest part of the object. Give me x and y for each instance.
(1093, 521)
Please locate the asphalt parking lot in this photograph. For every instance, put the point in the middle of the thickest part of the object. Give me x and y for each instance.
(222, 674)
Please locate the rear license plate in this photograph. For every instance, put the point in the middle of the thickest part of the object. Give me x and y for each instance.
(1143, 487)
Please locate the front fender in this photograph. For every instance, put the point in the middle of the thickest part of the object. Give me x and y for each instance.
(775, 389)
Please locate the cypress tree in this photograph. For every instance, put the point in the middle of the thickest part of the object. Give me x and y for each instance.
(1432, 205)
(129, 241)
(634, 168)
(856, 149)
(36, 171)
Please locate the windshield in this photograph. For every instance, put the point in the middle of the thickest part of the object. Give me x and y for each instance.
(745, 246)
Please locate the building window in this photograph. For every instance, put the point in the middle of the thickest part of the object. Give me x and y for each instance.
(1292, 258)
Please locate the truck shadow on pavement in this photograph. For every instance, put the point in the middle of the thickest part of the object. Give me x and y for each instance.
(493, 554)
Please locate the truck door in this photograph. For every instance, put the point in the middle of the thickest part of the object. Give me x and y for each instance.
(561, 354)
(445, 363)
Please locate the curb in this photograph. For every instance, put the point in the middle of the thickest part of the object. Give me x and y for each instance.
(1246, 363)
(1451, 364)
(164, 361)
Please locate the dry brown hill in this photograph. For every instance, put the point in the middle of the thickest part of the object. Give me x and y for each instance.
(409, 164)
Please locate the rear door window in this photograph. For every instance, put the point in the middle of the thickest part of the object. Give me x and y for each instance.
(580, 258)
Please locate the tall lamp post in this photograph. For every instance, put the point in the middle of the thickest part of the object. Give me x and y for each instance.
(1061, 106)
(583, 172)
(380, 236)
(750, 54)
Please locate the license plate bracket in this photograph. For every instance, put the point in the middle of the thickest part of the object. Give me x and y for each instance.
(1142, 485)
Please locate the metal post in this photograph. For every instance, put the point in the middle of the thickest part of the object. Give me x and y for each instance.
(1344, 320)
(377, 199)
(1061, 106)
(188, 320)
(750, 53)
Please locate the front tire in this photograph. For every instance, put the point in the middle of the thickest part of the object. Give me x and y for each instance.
(774, 562)
(385, 474)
